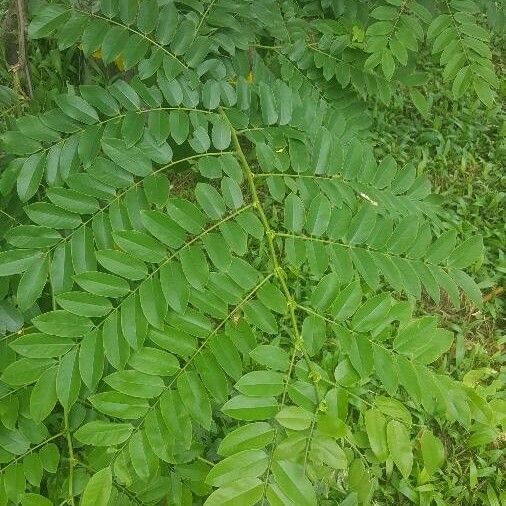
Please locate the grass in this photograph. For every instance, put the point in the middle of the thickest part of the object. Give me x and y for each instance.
(461, 147)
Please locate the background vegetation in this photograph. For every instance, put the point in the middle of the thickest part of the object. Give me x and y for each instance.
(455, 137)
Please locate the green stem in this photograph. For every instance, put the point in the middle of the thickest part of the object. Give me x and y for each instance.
(279, 273)
(72, 460)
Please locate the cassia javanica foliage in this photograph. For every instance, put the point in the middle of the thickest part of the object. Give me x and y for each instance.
(253, 337)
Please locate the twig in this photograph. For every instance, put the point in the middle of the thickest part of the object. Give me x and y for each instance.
(495, 292)
(72, 459)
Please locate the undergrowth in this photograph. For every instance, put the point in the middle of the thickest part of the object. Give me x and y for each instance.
(225, 277)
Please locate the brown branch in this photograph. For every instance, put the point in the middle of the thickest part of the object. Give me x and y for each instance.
(496, 292)
(22, 63)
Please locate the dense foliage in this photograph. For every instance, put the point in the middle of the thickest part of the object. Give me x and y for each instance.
(216, 282)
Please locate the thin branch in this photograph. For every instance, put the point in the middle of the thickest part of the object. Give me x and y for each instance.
(72, 460)
(22, 63)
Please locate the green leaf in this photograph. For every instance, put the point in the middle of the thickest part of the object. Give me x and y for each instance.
(261, 383)
(119, 405)
(68, 381)
(174, 286)
(387, 64)
(257, 314)
(218, 251)
(468, 285)
(19, 144)
(347, 302)
(195, 266)
(171, 90)
(231, 193)
(135, 383)
(294, 213)
(99, 433)
(292, 481)
(77, 108)
(72, 201)
(386, 369)
(361, 225)
(442, 247)
(113, 43)
(484, 91)
(13, 441)
(102, 284)
(25, 370)
(48, 19)
(321, 151)
(153, 302)
(384, 13)
(241, 407)
(432, 451)
(186, 215)
(245, 464)
(220, 134)
(32, 468)
(195, 398)
(210, 200)
(148, 16)
(211, 95)
(98, 489)
(179, 126)
(174, 340)
(371, 313)
(462, 81)
(140, 245)
(326, 451)
(30, 176)
(313, 333)
(50, 457)
(375, 424)
(400, 447)
(91, 359)
(62, 323)
(465, 254)
(318, 217)
(144, 460)
(294, 418)
(99, 98)
(31, 499)
(267, 104)
(154, 361)
(50, 215)
(131, 159)
(16, 261)
(43, 397)
(272, 297)
(419, 101)
(212, 375)
(423, 341)
(84, 304)
(252, 436)
(360, 482)
(41, 346)
(132, 128)
(122, 264)
(156, 188)
(271, 356)
(245, 492)
(200, 141)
